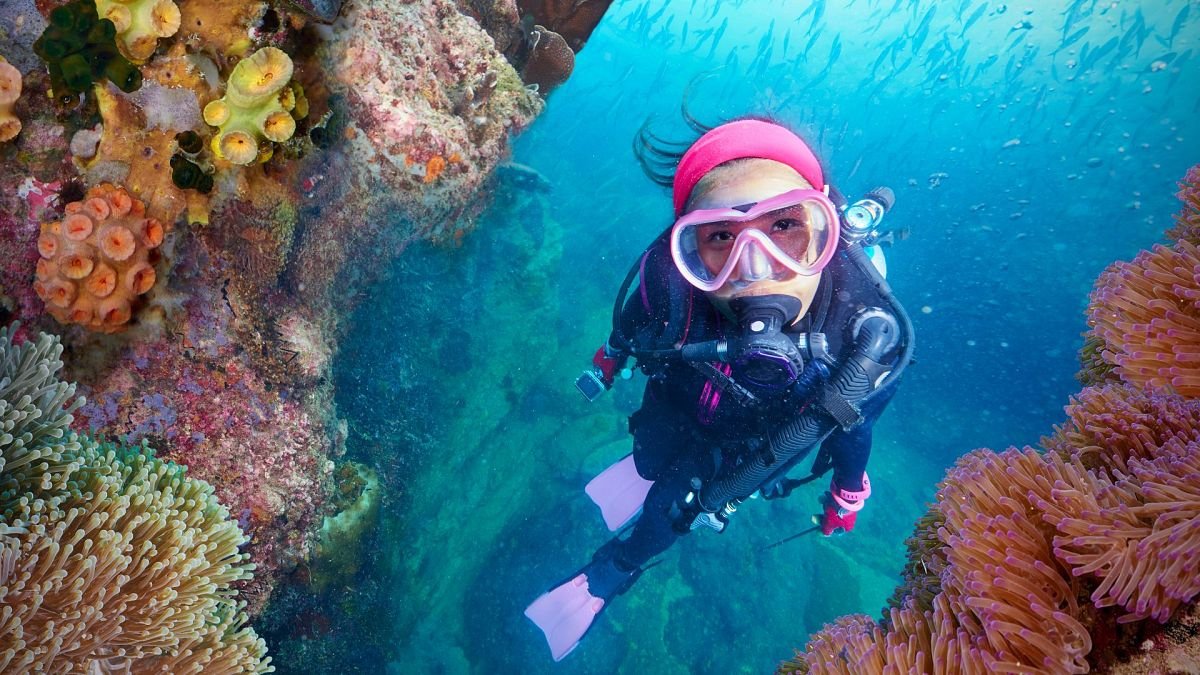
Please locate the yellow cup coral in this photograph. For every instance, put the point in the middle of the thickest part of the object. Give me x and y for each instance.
(260, 104)
(10, 91)
(139, 24)
(98, 259)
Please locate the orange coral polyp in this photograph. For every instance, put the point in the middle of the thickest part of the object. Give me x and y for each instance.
(47, 246)
(262, 73)
(152, 232)
(114, 311)
(117, 242)
(60, 293)
(166, 18)
(121, 17)
(77, 266)
(239, 148)
(121, 202)
(46, 269)
(279, 126)
(80, 313)
(140, 278)
(102, 282)
(97, 207)
(77, 227)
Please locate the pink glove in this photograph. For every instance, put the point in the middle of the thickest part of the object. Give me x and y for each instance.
(835, 517)
(842, 506)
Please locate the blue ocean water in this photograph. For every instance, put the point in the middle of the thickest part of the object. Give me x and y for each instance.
(1029, 146)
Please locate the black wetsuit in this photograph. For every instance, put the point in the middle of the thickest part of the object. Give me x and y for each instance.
(688, 428)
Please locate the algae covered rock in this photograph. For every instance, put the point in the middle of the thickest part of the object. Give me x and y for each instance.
(340, 543)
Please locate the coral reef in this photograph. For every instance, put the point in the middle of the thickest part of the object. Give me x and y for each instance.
(140, 24)
(98, 260)
(10, 91)
(110, 559)
(259, 103)
(80, 49)
(1067, 558)
(226, 363)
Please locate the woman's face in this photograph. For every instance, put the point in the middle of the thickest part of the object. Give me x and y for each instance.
(750, 181)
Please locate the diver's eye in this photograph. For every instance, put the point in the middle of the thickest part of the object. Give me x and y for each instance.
(785, 224)
(719, 236)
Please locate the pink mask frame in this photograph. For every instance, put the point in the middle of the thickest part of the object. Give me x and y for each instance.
(750, 235)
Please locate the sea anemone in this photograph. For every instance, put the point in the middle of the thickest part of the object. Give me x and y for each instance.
(1146, 314)
(1187, 221)
(111, 560)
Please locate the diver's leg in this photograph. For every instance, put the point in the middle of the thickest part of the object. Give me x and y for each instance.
(654, 531)
(658, 433)
(566, 612)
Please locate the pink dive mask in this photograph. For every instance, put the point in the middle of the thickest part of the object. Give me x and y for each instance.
(794, 233)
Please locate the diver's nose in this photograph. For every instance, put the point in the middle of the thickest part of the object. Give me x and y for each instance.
(754, 264)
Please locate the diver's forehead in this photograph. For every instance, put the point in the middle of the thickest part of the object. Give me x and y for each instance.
(744, 183)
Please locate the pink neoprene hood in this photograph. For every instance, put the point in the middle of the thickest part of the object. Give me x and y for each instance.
(739, 140)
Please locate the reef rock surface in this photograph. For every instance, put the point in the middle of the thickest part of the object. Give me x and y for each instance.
(402, 112)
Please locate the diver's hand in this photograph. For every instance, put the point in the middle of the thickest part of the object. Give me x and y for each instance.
(606, 366)
(779, 489)
(835, 517)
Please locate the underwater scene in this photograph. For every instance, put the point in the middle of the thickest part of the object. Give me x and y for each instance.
(328, 328)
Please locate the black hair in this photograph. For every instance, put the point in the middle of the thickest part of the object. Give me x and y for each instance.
(659, 156)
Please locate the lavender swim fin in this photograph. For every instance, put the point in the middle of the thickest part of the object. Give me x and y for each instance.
(565, 614)
(619, 492)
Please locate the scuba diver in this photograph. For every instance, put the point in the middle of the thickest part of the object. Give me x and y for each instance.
(766, 330)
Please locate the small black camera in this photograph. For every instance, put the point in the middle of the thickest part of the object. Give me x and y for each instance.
(590, 385)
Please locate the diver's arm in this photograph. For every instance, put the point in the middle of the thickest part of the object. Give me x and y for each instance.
(849, 451)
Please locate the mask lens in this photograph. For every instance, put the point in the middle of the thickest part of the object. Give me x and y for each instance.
(777, 238)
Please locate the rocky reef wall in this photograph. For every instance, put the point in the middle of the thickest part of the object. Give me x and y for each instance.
(285, 153)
